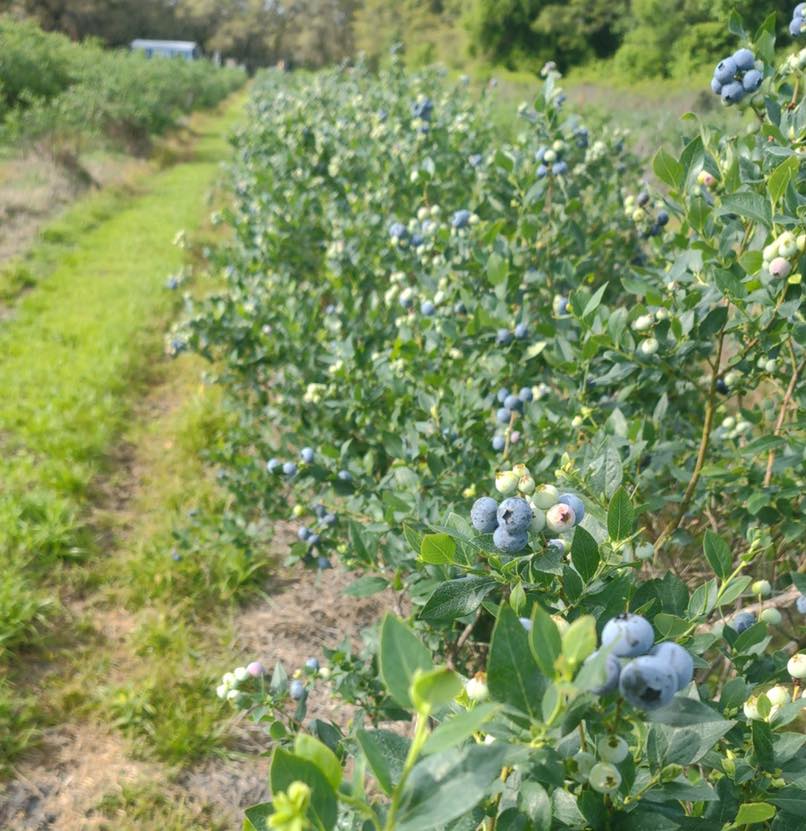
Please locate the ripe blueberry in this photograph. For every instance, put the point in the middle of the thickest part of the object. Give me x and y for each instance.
(509, 543)
(678, 658)
(648, 683)
(514, 515)
(742, 621)
(483, 515)
(629, 635)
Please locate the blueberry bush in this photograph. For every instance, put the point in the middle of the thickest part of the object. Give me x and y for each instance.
(552, 402)
(54, 90)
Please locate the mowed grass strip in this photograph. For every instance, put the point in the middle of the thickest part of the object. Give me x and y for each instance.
(74, 356)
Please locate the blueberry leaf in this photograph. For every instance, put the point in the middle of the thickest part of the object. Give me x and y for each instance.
(620, 516)
(400, 655)
(668, 169)
(584, 553)
(718, 554)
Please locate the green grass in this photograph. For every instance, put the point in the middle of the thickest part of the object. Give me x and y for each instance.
(144, 806)
(77, 353)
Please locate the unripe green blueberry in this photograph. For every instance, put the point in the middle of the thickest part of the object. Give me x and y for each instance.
(649, 346)
(506, 482)
(526, 484)
(770, 616)
(581, 765)
(761, 588)
(796, 666)
(642, 323)
(538, 519)
(612, 749)
(778, 695)
(751, 710)
(545, 497)
(604, 777)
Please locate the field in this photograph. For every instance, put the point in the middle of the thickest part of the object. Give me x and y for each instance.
(394, 450)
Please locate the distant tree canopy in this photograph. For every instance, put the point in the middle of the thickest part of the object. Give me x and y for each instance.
(647, 38)
(254, 32)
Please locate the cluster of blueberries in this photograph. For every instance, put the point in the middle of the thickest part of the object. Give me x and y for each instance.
(325, 518)
(797, 25)
(736, 76)
(646, 674)
(510, 521)
(422, 108)
(460, 219)
(503, 337)
(290, 468)
(307, 456)
(637, 207)
(510, 402)
(550, 161)
(234, 685)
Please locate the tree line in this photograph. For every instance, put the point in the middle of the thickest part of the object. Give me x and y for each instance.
(645, 38)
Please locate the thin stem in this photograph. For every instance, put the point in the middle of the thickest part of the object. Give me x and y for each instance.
(420, 735)
(796, 370)
(361, 807)
(710, 407)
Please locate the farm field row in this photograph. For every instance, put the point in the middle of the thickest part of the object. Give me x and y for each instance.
(548, 392)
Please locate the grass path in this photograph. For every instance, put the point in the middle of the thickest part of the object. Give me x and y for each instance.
(74, 354)
(78, 354)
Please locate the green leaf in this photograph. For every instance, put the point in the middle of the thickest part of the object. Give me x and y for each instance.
(620, 516)
(458, 728)
(584, 553)
(310, 748)
(456, 598)
(257, 817)
(718, 554)
(750, 812)
(446, 785)
(751, 261)
(668, 169)
(579, 641)
(545, 641)
(713, 321)
(366, 586)
(593, 304)
(749, 205)
(497, 269)
(685, 712)
(385, 753)
(762, 744)
(791, 800)
(534, 802)
(437, 549)
(434, 688)
(780, 178)
(400, 654)
(287, 768)
(512, 674)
